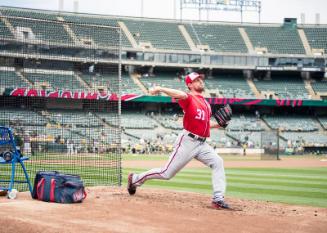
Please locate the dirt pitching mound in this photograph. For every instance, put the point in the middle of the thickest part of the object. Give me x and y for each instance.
(150, 210)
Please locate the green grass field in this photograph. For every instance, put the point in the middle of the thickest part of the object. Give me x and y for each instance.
(303, 186)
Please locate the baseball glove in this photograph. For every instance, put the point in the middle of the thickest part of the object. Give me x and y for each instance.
(223, 115)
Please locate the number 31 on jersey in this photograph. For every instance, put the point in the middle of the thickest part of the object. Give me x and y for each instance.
(200, 114)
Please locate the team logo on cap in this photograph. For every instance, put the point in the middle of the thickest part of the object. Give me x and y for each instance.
(191, 77)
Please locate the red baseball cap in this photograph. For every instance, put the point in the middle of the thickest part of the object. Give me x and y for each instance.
(191, 77)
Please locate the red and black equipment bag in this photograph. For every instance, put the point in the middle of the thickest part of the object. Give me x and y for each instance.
(52, 186)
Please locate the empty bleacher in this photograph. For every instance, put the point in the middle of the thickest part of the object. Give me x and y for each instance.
(162, 35)
(36, 30)
(323, 122)
(9, 79)
(130, 120)
(29, 13)
(245, 123)
(169, 121)
(308, 139)
(82, 20)
(164, 79)
(53, 80)
(229, 85)
(291, 123)
(98, 35)
(4, 31)
(278, 40)
(317, 37)
(18, 117)
(284, 86)
(253, 139)
(319, 86)
(73, 118)
(220, 38)
(219, 138)
(109, 82)
(145, 134)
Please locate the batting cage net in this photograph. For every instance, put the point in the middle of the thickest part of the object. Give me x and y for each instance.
(270, 145)
(60, 95)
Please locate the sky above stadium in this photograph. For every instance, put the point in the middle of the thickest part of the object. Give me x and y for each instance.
(273, 11)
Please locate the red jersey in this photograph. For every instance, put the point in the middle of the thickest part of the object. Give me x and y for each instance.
(197, 114)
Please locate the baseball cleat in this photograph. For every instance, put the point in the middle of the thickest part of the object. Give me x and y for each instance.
(220, 205)
(130, 187)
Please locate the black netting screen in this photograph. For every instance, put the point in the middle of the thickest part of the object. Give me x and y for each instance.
(60, 95)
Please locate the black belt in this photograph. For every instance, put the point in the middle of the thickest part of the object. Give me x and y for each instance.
(196, 137)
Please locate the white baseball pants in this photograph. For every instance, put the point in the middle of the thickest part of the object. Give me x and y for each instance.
(185, 149)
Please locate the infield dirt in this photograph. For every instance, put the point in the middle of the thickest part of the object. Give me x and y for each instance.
(108, 209)
(152, 210)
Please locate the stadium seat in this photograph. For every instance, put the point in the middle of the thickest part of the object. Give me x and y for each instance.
(245, 123)
(162, 35)
(285, 87)
(9, 79)
(219, 37)
(229, 86)
(319, 86)
(308, 139)
(277, 40)
(316, 37)
(164, 79)
(291, 123)
(53, 80)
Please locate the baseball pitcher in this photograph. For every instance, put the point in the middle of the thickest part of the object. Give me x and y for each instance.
(191, 142)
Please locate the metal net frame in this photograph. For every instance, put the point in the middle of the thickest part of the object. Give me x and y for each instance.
(60, 93)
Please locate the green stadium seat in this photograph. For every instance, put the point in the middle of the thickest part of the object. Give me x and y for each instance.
(294, 123)
(220, 38)
(53, 80)
(9, 79)
(319, 86)
(285, 87)
(317, 37)
(229, 86)
(164, 79)
(5, 33)
(308, 139)
(162, 35)
(277, 40)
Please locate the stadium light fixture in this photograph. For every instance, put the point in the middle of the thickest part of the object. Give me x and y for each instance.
(221, 5)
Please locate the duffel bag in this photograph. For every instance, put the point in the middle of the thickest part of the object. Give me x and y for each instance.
(52, 186)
